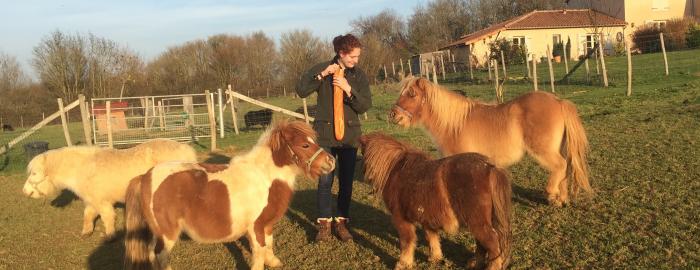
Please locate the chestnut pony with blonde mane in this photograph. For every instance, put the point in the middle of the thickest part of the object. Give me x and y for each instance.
(462, 189)
(538, 123)
(219, 203)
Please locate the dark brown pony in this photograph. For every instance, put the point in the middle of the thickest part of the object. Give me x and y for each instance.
(442, 194)
(215, 204)
(538, 123)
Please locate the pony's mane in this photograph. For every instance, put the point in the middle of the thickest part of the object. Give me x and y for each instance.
(448, 108)
(275, 138)
(381, 155)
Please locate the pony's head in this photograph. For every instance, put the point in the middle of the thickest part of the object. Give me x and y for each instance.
(381, 154)
(410, 107)
(294, 143)
(38, 184)
(423, 102)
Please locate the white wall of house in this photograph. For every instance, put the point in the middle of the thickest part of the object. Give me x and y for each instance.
(537, 40)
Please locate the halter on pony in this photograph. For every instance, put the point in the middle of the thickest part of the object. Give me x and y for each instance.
(308, 162)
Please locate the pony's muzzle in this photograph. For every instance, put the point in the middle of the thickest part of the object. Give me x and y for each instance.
(329, 164)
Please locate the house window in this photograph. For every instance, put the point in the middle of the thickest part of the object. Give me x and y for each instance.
(657, 24)
(659, 5)
(518, 41)
(591, 41)
(556, 39)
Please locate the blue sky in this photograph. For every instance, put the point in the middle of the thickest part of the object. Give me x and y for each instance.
(150, 27)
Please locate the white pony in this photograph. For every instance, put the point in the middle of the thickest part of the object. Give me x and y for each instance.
(97, 175)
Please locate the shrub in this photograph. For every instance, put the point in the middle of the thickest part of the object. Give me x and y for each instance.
(511, 53)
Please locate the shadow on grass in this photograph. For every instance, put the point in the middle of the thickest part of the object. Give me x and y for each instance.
(528, 197)
(64, 199)
(372, 221)
(109, 255)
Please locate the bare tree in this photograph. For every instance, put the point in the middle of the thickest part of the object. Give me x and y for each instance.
(437, 24)
(388, 27)
(260, 57)
(11, 74)
(227, 58)
(299, 50)
(61, 64)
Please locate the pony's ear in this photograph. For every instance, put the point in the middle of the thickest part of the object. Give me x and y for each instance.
(423, 83)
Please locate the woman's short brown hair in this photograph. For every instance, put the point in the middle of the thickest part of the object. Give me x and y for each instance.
(345, 43)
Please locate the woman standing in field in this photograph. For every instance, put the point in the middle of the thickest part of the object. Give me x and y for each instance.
(356, 99)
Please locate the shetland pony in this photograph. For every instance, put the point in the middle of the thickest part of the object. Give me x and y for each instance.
(215, 204)
(97, 175)
(462, 189)
(538, 123)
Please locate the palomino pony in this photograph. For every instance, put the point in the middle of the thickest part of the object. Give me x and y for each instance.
(215, 204)
(538, 123)
(462, 189)
(97, 175)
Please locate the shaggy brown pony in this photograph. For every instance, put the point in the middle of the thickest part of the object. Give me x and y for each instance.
(538, 123)
(442, 194)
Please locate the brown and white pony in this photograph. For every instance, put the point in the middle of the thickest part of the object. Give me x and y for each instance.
(99, 176)
(538, 123)
(215, 204)
(463, 189)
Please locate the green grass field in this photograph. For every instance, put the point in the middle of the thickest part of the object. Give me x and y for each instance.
(644, 160)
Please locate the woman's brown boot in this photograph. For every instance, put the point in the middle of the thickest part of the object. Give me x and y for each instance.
(341, 229)
(324, 229)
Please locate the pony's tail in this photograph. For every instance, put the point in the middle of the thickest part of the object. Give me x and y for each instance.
(576, 149)
(501, 198)
(138, 234)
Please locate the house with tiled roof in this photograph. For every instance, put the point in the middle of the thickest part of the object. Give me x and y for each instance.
(540, 29)
(638, 13)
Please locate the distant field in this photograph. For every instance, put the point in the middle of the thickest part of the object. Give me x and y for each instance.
(644, 160)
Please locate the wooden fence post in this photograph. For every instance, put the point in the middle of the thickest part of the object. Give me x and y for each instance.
(551, 72)
(212, 120)
(663, 50)
(306, 110)
(489, 66)
(503, 62)
(108, 115)
(454, 67)
(629, 68)
(221, 113)
(442, 66)
(233, 109)
(85, 117)
(588, 71)
(602, 62)
(469, 62)
(64, 123)
(161, 115)
(386, 75)
(403, 73)
(410, 70)
(435, 81)
(534, 71)
(527, 65)
(499, 96)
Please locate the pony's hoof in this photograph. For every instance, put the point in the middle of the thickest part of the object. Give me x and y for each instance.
(403, 265)
(273, 262)
(435, 258)
(85, 234)
(108, 238)
(555, 200)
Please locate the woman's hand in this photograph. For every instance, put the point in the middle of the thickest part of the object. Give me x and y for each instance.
(331, 69)
(343, 84)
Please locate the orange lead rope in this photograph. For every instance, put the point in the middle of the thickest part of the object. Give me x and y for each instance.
(338, 114)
